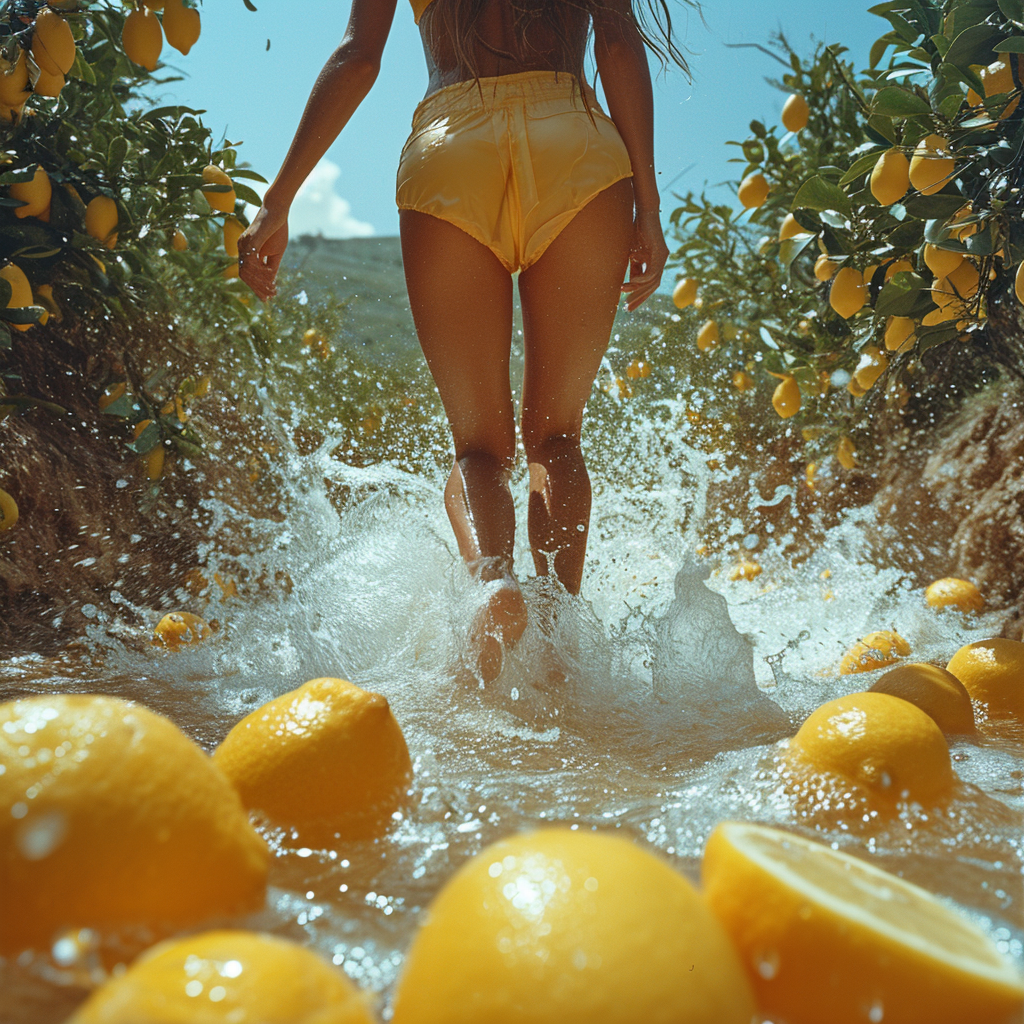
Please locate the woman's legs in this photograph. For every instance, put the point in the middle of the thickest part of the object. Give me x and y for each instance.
(569, 299)
(461, 299)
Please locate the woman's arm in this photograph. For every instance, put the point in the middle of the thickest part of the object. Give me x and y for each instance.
(342, 85)
(622, 65)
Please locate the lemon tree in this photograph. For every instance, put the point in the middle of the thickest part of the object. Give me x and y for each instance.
(891, 225)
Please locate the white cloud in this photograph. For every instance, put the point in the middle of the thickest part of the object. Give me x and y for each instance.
(319, 210)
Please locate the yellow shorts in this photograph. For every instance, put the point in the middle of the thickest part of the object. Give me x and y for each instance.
(513, 166)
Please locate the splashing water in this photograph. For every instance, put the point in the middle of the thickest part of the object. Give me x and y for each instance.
(652, 704)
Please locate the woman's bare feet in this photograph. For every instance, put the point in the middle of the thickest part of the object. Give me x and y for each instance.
(498, 626)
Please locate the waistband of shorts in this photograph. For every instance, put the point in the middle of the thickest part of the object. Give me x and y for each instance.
(530, 87)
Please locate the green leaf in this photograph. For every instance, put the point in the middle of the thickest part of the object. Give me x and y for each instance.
(116, 154)
(929, 337)
(880, 130)
(5, 292)
(5, 339)
(146, 441)
(247, 194)
(819, 193)
(907, 236)
(1014, 10)
(123, 407)
(896, 102)
(16, 177)
(22, 314)
(941, 205)
(860, 167)
(792, 247)
(973, 46)
(900, 294)
(1015, 44)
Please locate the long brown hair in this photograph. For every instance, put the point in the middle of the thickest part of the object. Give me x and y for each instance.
(456, 22)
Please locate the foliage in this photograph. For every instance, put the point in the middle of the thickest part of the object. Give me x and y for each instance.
(928, 78)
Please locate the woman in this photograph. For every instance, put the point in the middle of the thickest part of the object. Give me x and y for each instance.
(511, 167)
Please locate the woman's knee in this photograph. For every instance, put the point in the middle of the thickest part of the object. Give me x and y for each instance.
(544, 446)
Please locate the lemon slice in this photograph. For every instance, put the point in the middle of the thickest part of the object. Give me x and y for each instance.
(825, 936)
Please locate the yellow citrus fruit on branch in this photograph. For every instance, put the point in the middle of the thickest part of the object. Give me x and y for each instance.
(684, 292)
(876, 650)
(142, 38)
(101, 220)
(1018, 284)
(14, 81)
(112, 818)
(795, 113)
(791, 227)
(941, 262)
(228, 977)
(993, 673)
(899, 334)
(707, 336)
(182, 25)
(232, 232)
(217, 177)
(753, 190)
(937, 692)
(884, 746)
(53, 45)
(556, 926)
(997, 79)
(931, 166)
(35, 193)
(179, 629)
(956, 593)
(890, 177)
(21, 291)
(326, 760)
(825, 268)
(847, 294)
(825, 936)
(872, 364)
(786, 397)
(46, 84)
(8, 511)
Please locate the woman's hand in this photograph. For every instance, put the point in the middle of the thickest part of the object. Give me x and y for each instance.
(647, 257)
(260, 249)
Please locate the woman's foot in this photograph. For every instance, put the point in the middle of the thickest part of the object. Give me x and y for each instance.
(497, 627)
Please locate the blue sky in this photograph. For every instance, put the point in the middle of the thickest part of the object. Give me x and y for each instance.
(255, 95)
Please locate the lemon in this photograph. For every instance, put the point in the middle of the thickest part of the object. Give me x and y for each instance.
(898, 267)
(996, 79)
(938, 693)
(227, 977)
(1018, 284)
(178, 629)
(114, 818)
(825, 268)
(326, 760)
(684, 292)
(565, 927)
(48, 85)
(638, 369)
(14, 82)
(876, 650)
(941, 262)
(846, 454)
(232, 232)
(224, 202)
(707, 336)
(231, 271)
(35, 193)
(8, 511)
(53, 45)
(786, 397)
(21, 291)
(869, 273)
(828, 937)
(887, 748)
(899, 334)
(790, 228)
(890, 177)
(957, 593)
(182, 25)
(847, 294)
(753, 190)
(795, 113)
(870, 367)
(101, 220)
(745, 570)
(742, 381)
(179, 241)
(931, 165)
(993, 673)
(142, 38)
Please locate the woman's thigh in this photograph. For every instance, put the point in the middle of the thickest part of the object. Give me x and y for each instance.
(569, 299)
(461, 299)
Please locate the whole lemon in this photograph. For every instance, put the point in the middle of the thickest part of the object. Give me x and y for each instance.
(993, 673)
(684, 292)
(142, 38)
(753, 190)
(326, 760)
(101, 220)
(114, 818)
(565, 927)
(847, 294)
(223, 201)
(876, 650)
(21, 291)
(956, 593)
(938, 693)
(890, 177)
(35, 193)
(795, 113)
(182, 25)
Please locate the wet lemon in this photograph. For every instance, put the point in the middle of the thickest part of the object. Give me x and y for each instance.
(8, 511)
(846, 454)
(786, 397)
(931, 166)
(556, 926)
(227, 977)
(817, 928)
(182, 26)
(847, 294)
(21, 291)
(795, 113)
(101, 220)
(993, 673)
(180, 629)
(957, 593)
(825, 268)
(876, 650)
(142, 38)
(745, 570)
(221, 201)
(155, 460)
(872, 364)
(707, 336)
(899, 334)
(938, 693)
(742, 381)
(34, 193)
(684, 292)
(114, 818)
(638, 369)
(326, 760)
(753, 190)
(53, 45)
(890, 177)
(885, 746)
(790, 228)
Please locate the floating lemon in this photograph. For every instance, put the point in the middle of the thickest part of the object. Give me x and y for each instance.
(931, 166)
(227, 977)
(684, 292)
(786, 396)
(14, 82)
(232, 232)
(638, 369)
(745, 570)
(847, 294)
(753, 190)
(886, 747)
(8, 511)
(876, 650)
(178, 629)
(795, 113)
(870, 367)
(938, 693)
(826, 936)
(993, 673)
(114, 818)
(846, 453)
(326, 760)
(957, 593)
(707, 336)
(557, 926)
(890, 177)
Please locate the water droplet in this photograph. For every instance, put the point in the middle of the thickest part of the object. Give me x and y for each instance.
(768, 965)
(876, 1012)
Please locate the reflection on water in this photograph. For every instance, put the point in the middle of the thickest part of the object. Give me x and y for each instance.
(652, 705)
